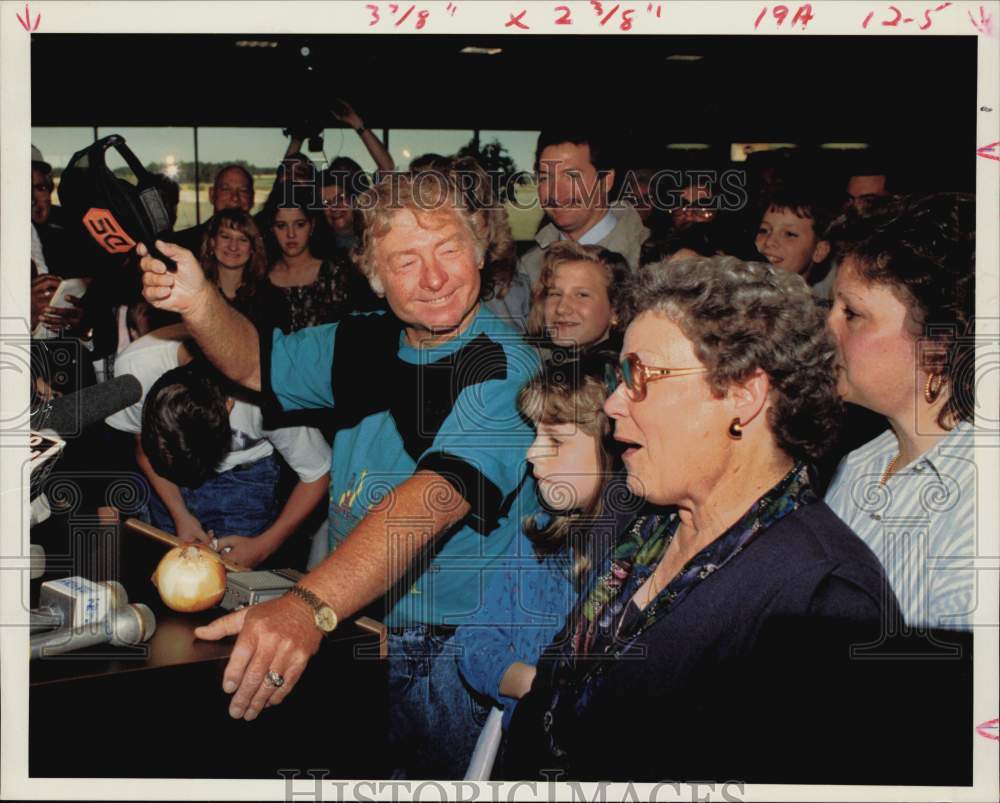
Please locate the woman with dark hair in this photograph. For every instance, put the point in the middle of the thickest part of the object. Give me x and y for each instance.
(340, 185)
(233, 257)
(686, 654)
(316, 290)
(903, 319)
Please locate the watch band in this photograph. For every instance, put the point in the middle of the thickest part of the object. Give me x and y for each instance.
(320, 608)
(361, 130)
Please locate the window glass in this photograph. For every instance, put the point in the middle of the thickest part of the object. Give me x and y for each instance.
(258, 149)
(58, 144)
(338, 142)
(519, 145)
(405, 145)
(524, 213)
(166, 150)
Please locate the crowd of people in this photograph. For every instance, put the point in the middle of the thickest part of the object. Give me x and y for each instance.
(372, 378)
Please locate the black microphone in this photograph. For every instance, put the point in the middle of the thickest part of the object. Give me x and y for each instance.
(69, 415)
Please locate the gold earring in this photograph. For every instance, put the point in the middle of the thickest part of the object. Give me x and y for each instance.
(736, 429)
(932, 387)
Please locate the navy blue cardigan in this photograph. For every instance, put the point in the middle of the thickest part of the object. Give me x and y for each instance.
(751, 678)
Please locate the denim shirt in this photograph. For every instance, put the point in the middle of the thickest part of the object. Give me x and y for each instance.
(525, 604)
(526, 599)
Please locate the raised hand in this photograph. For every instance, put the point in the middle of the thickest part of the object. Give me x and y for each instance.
(344, 112)
(182, 291)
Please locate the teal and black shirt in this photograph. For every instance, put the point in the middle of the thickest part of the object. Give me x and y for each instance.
(450, 408)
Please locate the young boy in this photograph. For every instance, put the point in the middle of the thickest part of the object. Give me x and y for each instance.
(207, 456)
(790, 237)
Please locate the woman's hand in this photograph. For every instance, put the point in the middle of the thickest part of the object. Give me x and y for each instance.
(182, 291)
(347, 115)
(244, 550)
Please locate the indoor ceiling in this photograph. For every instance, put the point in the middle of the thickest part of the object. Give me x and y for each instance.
(915, 93)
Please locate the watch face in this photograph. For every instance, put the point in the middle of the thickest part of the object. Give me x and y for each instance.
(326, 619)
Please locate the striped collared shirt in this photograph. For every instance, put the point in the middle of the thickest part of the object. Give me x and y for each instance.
(921, 524)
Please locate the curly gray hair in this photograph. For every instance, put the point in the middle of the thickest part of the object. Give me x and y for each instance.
(428, 194)
(741, 316)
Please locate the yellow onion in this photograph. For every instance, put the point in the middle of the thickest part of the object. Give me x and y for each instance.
(190, 578)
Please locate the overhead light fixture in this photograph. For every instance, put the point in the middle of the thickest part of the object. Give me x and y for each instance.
(684, 57)
(688, 146)
(739, 151)
(482, 51)
(845, 146)
(255, 43)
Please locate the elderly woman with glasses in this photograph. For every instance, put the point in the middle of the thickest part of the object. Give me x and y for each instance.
(723, 612)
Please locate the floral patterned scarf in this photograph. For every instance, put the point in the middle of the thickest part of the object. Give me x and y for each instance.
(607, 624)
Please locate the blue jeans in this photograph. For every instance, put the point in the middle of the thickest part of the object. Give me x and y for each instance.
(434, 718)
(241, 501)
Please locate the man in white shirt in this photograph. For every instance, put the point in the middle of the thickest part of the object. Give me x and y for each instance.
(207, 455)
(575, 176)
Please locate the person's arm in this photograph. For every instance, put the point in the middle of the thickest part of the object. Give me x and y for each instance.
(226, 337)
(188, 527)
(516, 681)
(42, 289)
(523, 607)
(376, 149)
(281, 636)
(250, 550)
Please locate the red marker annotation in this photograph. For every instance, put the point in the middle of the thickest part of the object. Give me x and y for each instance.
(394, 8)
(990, 730)
(803, 16)
(895, 17)
(515, 21)
(26, 22)
(991, 151)
(985, 22)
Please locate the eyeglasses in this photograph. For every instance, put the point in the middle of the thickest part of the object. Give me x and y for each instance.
(636, 375)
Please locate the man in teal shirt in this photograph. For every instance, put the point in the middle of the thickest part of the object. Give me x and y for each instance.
(428, 478)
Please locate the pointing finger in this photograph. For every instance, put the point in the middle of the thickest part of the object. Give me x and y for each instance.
(228, 625)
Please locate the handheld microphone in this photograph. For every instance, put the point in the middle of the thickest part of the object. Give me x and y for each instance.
(75, 602)
(69, 415)
(124, 627)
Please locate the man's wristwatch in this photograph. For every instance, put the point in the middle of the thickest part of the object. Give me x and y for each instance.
(323, 615)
